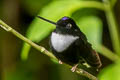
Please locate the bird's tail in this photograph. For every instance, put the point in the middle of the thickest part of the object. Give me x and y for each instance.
(94, 60)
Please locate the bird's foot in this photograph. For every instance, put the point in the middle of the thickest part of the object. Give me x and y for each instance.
(97, 70)
(60, 62)
(74, 68)
(87, 65)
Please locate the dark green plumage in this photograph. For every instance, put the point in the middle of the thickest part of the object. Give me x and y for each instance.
(70, 45)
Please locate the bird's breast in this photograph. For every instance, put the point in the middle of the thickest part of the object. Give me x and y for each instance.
(61, 42)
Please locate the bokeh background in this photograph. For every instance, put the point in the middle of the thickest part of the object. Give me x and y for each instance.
(20, 14)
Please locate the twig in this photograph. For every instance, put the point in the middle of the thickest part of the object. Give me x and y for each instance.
(85, 73)
(42, 49)
(10, 29)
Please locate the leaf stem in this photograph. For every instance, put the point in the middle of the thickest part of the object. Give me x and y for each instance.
(42, 49)
(107, 53)
(112, 26)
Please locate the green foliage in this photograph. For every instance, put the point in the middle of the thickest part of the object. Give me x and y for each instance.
(112, 72)
(92, 27)
(90, 24)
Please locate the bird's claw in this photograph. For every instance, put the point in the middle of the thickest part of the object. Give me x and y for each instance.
(74, 68)
(60, 62)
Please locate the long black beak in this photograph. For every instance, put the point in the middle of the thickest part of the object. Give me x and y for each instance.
(47, 20)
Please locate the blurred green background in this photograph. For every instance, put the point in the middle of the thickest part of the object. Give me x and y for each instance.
(17, 64)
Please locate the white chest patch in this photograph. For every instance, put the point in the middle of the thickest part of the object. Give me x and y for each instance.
(62, 42)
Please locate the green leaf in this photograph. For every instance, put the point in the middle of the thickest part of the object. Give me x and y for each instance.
(39, 29)
(111, 72)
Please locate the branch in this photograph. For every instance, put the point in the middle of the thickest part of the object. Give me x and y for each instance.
(42, 49)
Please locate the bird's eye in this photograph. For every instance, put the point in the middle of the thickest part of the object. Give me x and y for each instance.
(69, 25)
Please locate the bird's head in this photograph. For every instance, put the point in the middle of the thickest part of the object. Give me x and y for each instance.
(67, 23)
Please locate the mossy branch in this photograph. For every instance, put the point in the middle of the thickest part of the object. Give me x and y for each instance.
(42, 49)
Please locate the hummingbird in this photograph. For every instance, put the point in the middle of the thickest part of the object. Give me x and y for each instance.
(70, 45)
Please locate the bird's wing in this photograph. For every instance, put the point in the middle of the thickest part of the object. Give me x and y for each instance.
(86, 51)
